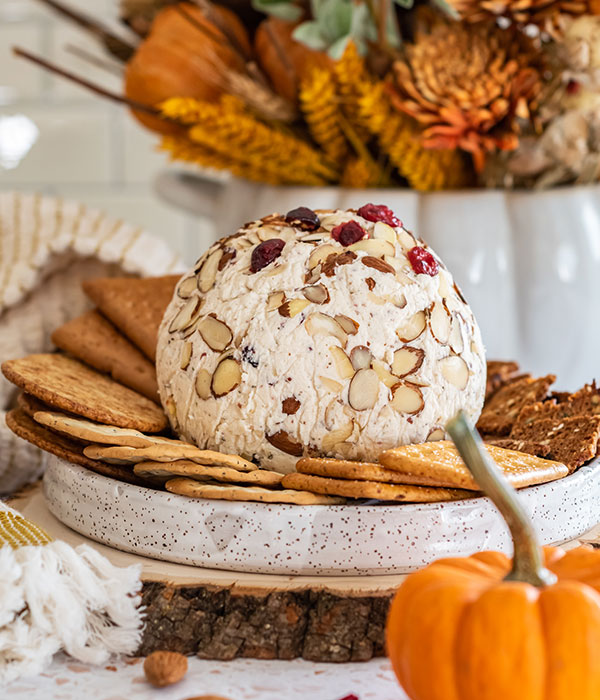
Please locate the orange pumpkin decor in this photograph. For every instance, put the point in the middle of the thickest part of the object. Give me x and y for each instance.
(285, 60)
(486, 628)
(183, 55)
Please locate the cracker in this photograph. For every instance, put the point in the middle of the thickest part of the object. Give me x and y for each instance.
(372, 489)
(361, 471)
(201, 472)
(67, 384)
(441, 462)
(70, 450)
(501, 411)
(195, 489)
(95, 341)
(169, 453)
(498, 373)
(573, 440)
(90, 432)
(586, 401)
(30, 405)
(135, 306)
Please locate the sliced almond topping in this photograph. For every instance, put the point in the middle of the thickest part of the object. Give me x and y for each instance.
(377, 247)
(282, 441)
(413, 327)
(444, 286)
(349, 325)
(342, 363)
(436, 434)
(227, 376)
(322, 324)
(313, 276)
(456, 340)
(331, 384)
(293, 307)
(320, 254)
(407, 398)
(332, 220)
(377, 264)
(186, 314)
(384, 231)
(275, 300)
(385, 377)
(399, 300)
(203, 380)
(171, 406)
(187, 287)
(318, 294)
(440, 322)
(314, 237)
(361, 357)
(290, 405)
(215, 333)
(186, 355)
(277, 270)
(267, 232)
(334, 437)
(407, 360)
(376, 299)
(455, 371)
(208, 271)
(363, 390)
(406, 239)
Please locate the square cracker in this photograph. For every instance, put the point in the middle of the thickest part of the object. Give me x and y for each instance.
(440, 462)
(135, 306)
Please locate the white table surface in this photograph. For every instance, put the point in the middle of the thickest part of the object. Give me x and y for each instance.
(242, 679)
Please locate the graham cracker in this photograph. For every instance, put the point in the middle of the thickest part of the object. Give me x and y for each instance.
(498, 373)
(501, 411)
(135, 306)
(441, 463)
(65, 383)
(95, 341)
(65, 448)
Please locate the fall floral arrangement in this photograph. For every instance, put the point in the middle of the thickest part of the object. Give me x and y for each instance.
(370, 93)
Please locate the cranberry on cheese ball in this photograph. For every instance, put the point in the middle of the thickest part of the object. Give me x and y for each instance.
(328, 332)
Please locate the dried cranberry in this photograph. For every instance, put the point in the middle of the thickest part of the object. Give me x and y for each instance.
(348, 233)
(422, 261)
(379, 212)
(265, 253)
(350, 697)
(304, 218)
(573, 87)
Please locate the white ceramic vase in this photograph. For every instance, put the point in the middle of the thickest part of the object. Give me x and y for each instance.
(528, 262)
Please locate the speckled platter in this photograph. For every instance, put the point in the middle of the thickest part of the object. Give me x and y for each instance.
(361, 539)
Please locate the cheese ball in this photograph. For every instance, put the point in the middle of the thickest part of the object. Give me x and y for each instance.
(330, 332)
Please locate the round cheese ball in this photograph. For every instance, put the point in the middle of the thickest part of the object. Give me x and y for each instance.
(328, 332)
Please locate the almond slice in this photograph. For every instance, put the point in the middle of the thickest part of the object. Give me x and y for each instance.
(406, 239)
(349, 325)
(407, 398)
(385, 232)
(331, 384)
(334, 437)
(278, 268)
(186, 314)
(320, 254)
(436, 434)
(215, 333)
(330, 221)
(455, 371)
(361, 357)
(293, 307)
(444, 286)
(377, 247)
(275, 300)
(208, 271)
(407, 360)
(385, 377)
(413, 327)
(440, 322)
(322, 324)
(377, 264)
(267, 232)
(456, 340)
(318, 294)
(187, 287)
(282, 441)
(203, 380)
(342, 363)
(314, 237)
(363, 390)
(227, 376)
(186, 355)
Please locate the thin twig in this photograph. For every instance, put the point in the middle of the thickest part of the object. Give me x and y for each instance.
(94, 60)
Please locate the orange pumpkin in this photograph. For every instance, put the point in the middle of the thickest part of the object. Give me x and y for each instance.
(486, 628)
(285, 60)
(181, 58)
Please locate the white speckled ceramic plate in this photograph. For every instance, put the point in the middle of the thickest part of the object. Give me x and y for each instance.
(287, 539)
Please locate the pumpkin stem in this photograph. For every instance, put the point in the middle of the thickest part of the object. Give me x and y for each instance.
(528, 563)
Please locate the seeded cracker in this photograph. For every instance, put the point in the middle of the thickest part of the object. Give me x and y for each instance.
(30, 405)
(499, 373)
(586, 402)
(67, 384)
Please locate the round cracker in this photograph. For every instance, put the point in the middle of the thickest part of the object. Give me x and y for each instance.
(172, 452)
(30, 405)
(195, 489)
(69, 385)
(88, 431)
(201, 472)
(372, 489)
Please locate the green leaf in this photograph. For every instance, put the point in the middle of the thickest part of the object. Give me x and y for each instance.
(334, 19)
(336, 50)
(309, 33)
(282, 9)
(405, 4)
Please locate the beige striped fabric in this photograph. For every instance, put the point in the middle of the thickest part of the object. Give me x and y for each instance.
(16, 531)
(47, 247)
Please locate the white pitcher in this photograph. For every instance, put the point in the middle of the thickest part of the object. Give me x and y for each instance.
(528, 262)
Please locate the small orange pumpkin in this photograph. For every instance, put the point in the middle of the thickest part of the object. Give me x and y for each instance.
(486, 628)
(181, 57)
(285, 60)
